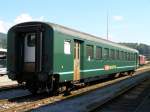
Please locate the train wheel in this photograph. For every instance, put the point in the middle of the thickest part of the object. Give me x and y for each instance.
(32, 87)
(117, 75)
(68, 88)
(112, 76)
(55, 84)
(131, 73)
(19, 82)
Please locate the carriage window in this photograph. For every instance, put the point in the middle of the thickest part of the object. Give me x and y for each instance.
(131, 57)
(126, 56)
(117, 54)
(31, 39)
(67, 47)
(121, 55)
(98, 52)
(112, 54)
(89, 52)
(106, 53)
(135, 56)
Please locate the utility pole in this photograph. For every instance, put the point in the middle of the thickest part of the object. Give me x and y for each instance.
(107, 29)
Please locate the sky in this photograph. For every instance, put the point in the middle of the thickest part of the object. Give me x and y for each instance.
(128, 20)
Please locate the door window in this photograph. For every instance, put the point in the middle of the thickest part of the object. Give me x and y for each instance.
(31, 39)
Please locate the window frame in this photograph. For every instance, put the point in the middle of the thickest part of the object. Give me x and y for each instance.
(92, 51)
(100, 55)
(117, 55)
(106, 56)
(112, 54)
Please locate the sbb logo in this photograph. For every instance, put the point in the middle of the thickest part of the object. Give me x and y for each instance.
(106, 67)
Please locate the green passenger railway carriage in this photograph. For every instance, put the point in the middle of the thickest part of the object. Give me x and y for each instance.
(46, 55)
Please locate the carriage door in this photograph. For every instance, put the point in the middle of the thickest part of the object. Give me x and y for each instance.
(33, 52)
(29, 52)
(76, 60)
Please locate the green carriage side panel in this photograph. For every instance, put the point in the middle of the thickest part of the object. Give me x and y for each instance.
(63, 63)
(87, 68)
(95, 67)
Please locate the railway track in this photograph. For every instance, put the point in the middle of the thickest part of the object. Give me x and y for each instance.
(10, 92)
(131, 101)
(7, 104)
(10, 87)
(27, 103)
(90, 100)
